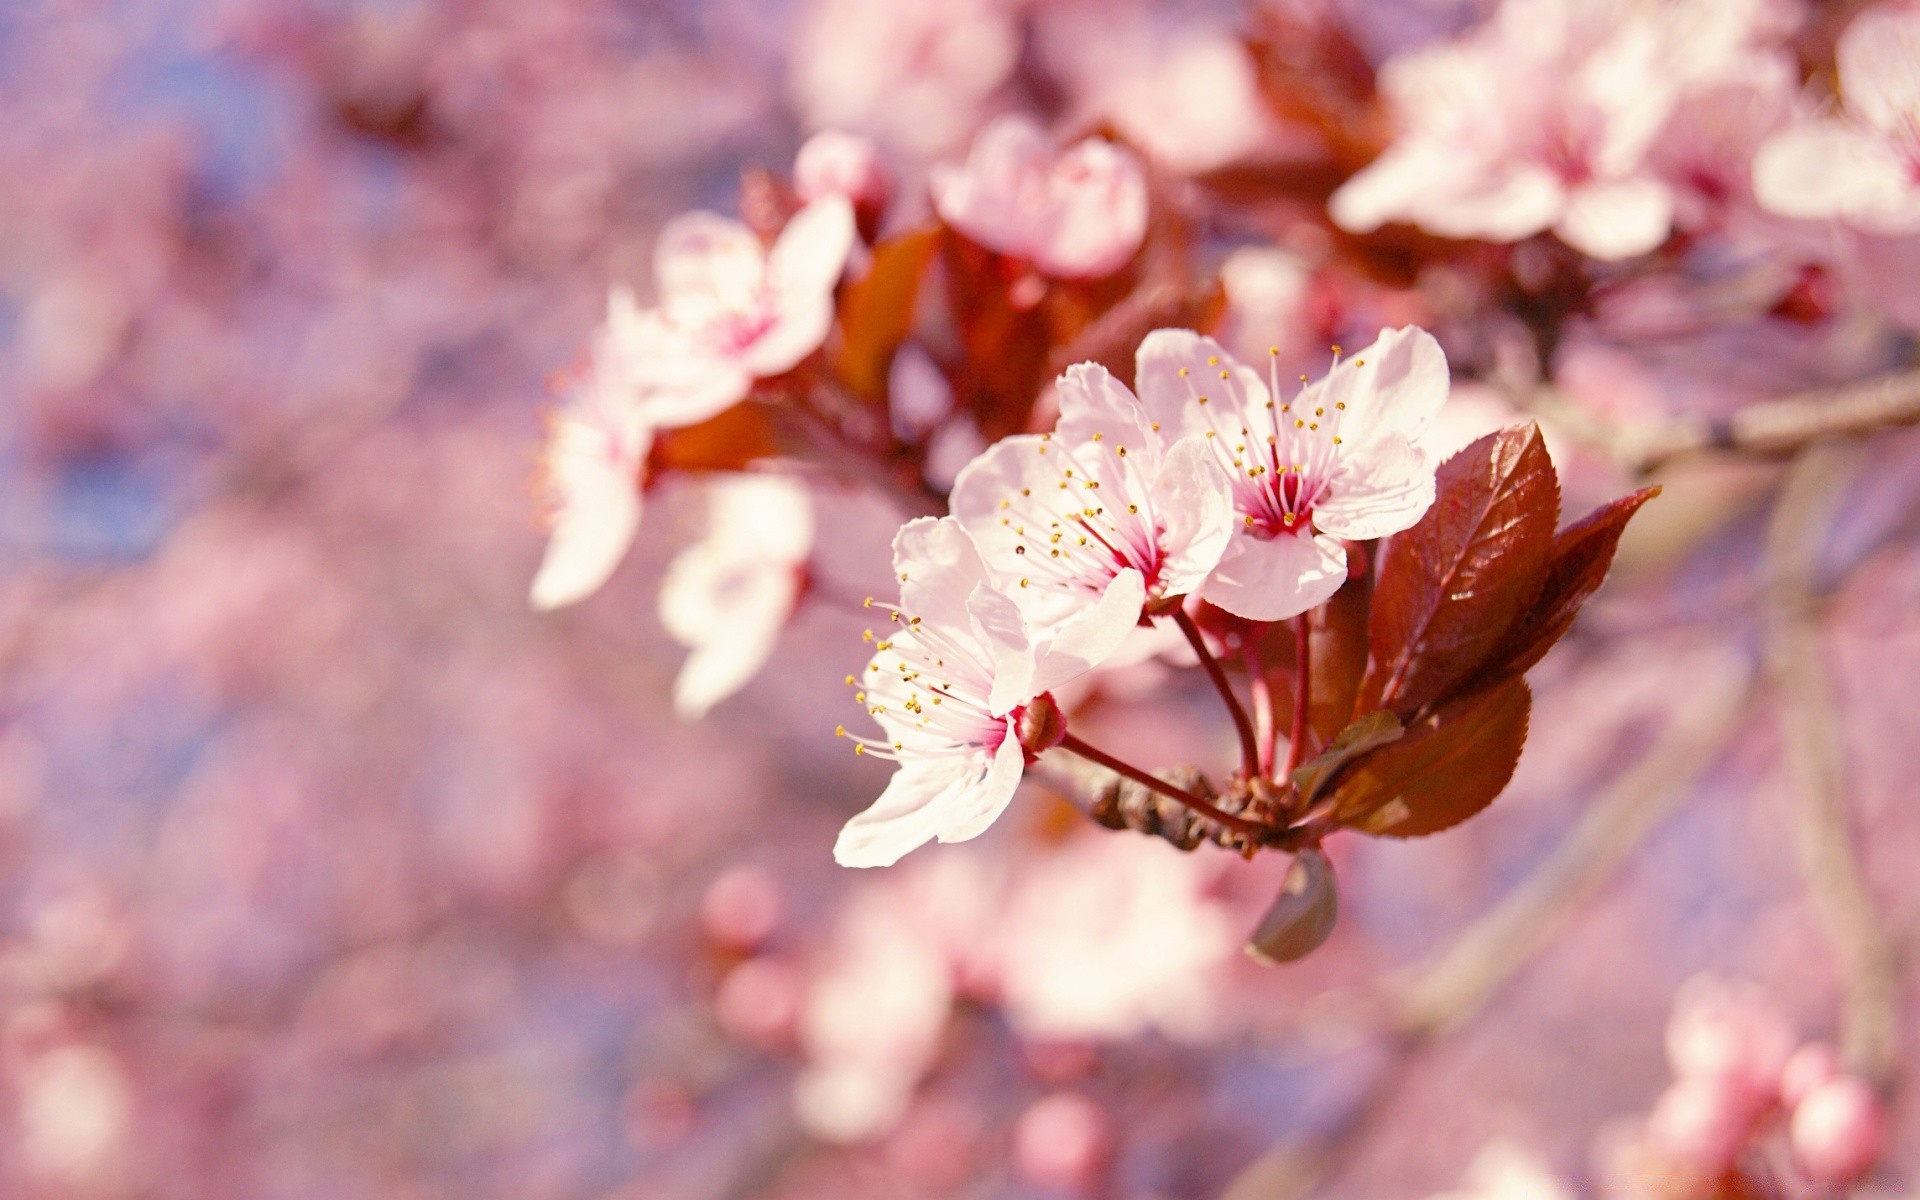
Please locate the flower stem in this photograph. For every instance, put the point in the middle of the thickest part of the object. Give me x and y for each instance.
(1249, 749)
(1204, 808)
(1302, 690)
(1265, 728)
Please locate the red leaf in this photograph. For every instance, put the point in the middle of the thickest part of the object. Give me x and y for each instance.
(1582, 552)
(1449, 589)
(725, 442)
(1448, 766)
(876, 311)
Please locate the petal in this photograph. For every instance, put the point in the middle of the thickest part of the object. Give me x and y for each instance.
(812, 250)
(938, 569)
(1172, 399)
(697, 389)
(1385, 488)
(1878, 78)
(1826, 169)
(704, 255)
(1275, 578)
(923, 798)
(797, 331)
(1390, 188)
(1095, 214)
(1194, 497)
(999, 486)
(593, 462)
(1394, 386)
(969, 815)
(1094, 403)
(1091, 639)
(1616, 220)
(1505, 203)
(717, 670)
(997, 624)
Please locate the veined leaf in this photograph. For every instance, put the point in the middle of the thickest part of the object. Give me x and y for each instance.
(1449, 766)
(1449, 589)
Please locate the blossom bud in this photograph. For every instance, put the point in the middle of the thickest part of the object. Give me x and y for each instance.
(1303, 916)
(1061, 1142)
(741, 908)
(832, 163)
(1838, 1131)
(1702, 1121)
(1811, 1065)
(1040, 725)
(1723, 1028)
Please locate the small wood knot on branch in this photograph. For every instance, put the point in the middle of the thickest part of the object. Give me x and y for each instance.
(1120, 803)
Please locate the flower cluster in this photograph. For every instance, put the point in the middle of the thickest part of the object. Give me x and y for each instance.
(1212, 485)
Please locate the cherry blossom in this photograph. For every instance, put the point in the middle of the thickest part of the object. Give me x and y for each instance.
(1861, 165)
(1340, 461)
(1079, 213)
(949, 688)
(728, 596)
(1062, 514)
(913, 74)
(1504, 1170)
(731, 311)
(832, 163)
(590, 480)
(1543, 119)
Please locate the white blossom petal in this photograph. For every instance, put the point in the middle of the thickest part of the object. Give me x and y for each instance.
(1272, 579)
(928, 799)
(1618, 219)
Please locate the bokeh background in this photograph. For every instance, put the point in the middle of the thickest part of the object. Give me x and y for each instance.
(330, 870)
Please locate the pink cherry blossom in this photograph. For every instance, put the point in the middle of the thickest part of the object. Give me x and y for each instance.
(915, 75)
(590, 479)
(728, 596)
(1062, 514)
(1861, 165)
(832, 163)
(1839, 1130)
(1728, 1030)
(1080, 213)
(731, 311)
(1543, 118)
(1340, 461)
(1503, 1170)
(948, 688)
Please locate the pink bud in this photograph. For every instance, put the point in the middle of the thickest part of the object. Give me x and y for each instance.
(841, 164)
(1722, 1028)
(1811, 1065)
(758, 1002)
(1061, 1142)
(1702, 1122)
(741, 907)
(1838, 1131)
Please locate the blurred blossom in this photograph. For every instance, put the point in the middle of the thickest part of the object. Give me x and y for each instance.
(912, 74)
(590, 479)
(1858, 165)
(1076, 213)
(728, 597)
(1505, 1171)
(1544, 118)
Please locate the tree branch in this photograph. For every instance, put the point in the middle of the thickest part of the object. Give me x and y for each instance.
(1771, 429)
(1813, 744)
(1459, 981)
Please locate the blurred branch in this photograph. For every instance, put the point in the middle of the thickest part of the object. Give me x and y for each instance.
(1459, 981)
(1768, 430)
(1813, 740)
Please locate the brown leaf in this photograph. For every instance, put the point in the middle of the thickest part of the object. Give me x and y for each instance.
(1449, 589)
(1448, 767)
(1369, 733)
(1582, 552)
(727, 442)
(1302, 916)
(876, 311)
